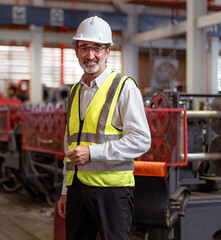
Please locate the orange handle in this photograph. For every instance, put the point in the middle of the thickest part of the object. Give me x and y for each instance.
(157, 169)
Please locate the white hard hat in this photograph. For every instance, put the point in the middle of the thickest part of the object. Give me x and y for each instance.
(94, 29)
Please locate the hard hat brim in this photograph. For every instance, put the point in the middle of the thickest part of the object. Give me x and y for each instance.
(75, 39)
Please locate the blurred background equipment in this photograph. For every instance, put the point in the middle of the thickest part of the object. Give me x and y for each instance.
(164, 73)
(203, 136)
(32, 148)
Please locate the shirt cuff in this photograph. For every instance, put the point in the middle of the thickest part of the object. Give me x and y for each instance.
(96, 152)
(64, 189)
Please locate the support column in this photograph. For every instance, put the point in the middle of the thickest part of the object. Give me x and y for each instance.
(214, 56)
(196, 48)
(130, 61)
(131, 51)
(36, 90)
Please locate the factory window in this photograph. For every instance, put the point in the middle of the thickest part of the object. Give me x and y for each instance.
(51, 67)
(115, 61)
(58, 66)
(72, 69)
(15, 63)
(219, 74)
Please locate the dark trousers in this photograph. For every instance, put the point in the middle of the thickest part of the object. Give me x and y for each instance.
(107, 210)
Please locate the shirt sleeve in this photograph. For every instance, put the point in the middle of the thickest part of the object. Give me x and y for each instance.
(64, 188)
(130, 117)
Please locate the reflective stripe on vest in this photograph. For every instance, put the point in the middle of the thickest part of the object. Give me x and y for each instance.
(97, 129)
(103, 166)
(92, 137)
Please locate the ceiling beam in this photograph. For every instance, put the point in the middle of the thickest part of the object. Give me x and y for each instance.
(166, 43)
(209, 20)
(173, 30)
(169, 31)
(14, 35)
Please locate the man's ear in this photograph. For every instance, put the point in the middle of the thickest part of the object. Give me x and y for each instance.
(107, 52)
(76, 51)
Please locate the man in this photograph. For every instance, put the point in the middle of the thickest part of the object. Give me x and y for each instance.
(106, 130)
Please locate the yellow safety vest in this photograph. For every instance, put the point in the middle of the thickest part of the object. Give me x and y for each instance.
(97, 129)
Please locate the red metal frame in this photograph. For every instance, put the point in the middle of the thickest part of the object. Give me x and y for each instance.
(6, 138)
(185, 162)
(41, 146)
(10, 101)
(7, 103)
(185, 150)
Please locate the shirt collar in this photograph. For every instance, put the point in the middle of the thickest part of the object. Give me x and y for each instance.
(98, 81)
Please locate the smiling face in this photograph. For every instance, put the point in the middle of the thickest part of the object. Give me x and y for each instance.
(92, 57)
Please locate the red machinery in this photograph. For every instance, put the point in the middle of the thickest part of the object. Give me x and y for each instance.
(168, 127)
(43, 129)
(32, 147)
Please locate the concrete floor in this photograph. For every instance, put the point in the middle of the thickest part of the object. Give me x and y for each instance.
(25, 218)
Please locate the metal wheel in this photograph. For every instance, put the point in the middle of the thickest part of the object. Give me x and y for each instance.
(10, 182)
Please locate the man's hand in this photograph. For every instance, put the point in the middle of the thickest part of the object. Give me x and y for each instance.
(79, 155)
(62, 205)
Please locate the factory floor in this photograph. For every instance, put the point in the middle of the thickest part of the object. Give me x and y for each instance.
(24, 218)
